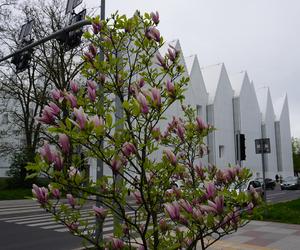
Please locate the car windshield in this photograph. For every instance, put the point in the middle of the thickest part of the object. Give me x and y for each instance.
(290, 178)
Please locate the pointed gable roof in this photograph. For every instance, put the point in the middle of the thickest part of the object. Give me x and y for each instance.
(279, 106)
(265, 101)
(189, 62)
(194, 71)
(211, 76)
(237, 82)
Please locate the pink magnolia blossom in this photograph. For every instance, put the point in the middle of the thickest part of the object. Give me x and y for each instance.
(64, 143)
(92, 49)
(74, 87)
(153, 33)
(47, 153)
(57, 95)
(163, 225)
(186, 205)
(50, 112)
(170, 88)
(218, 204)
(173, 210)
(89, 57)
(200, 172)
(170, 156)
(143, 103)
(97, 26)
(58, 162)
(81, 117)
(155, 17)
(180, 131)
(73, 226)
(115, 165)
(200, 124)
(41, 193)
(91, 94)
(72, 99)
(56, 193)
(141, 82)
(171, 55)
(117, 244)
(128, 149)
(97, 121)
(91, 84)
(71, 200)
(100, 212)
(210, 190)
(155, 97)
(161, 61)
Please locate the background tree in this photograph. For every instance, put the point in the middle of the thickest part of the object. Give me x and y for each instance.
(296, 153)
(141, 148)
(51, 67)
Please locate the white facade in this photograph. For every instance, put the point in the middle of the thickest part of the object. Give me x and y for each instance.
(220, 115)
(232, 106)
(247, 119)
(283, 137)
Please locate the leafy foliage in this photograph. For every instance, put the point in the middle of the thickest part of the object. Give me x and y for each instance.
(146, 151)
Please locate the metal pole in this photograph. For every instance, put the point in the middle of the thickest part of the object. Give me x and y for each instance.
(99, 173)
(47, 38)
(263, 169)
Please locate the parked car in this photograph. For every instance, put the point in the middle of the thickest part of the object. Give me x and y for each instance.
(246, 187)
(270, 184)
(290, 183)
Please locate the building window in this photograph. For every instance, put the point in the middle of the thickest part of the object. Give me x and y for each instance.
(221, 151)
(199, 110)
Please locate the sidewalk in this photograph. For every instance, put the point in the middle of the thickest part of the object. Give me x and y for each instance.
(261, 235)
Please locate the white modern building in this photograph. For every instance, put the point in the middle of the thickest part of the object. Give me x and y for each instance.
(233, 106)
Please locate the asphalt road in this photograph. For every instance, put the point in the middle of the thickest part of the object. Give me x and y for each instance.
(23, 225)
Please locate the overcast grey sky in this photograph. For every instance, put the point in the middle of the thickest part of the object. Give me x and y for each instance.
(260, 36)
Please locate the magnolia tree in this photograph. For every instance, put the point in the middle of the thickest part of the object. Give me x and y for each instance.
(145, 157)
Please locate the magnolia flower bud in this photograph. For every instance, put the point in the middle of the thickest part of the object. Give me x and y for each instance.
(91, 94)
(173, 210)
(155, 97)
(93, 49)
(170, 88)
(64, 143)
(155, 17)
(72, 99)
(170, 156)
(117, 244)
(210, 190)
(128, 149)
(41, 193)
(74, 87)
(80, 117)
(71, 200)
(100, 212)
(143, 103)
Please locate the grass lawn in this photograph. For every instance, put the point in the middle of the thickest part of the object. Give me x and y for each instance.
(15, 194)
(285, 212)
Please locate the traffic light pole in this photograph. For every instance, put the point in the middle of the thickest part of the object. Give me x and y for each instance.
(47, 38)
(100, 165)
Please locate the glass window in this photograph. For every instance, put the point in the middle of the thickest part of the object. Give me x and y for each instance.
(199, 110)
(221, 151)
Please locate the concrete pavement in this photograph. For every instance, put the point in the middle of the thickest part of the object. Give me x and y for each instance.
(261, 235)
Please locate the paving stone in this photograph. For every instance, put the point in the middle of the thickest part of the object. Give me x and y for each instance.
(291, 242)
(259, 242)
(239, 238)
(271, 229)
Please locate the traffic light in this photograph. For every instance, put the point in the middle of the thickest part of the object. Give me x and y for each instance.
(72, 39)
(242, 147)
(22, 60)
